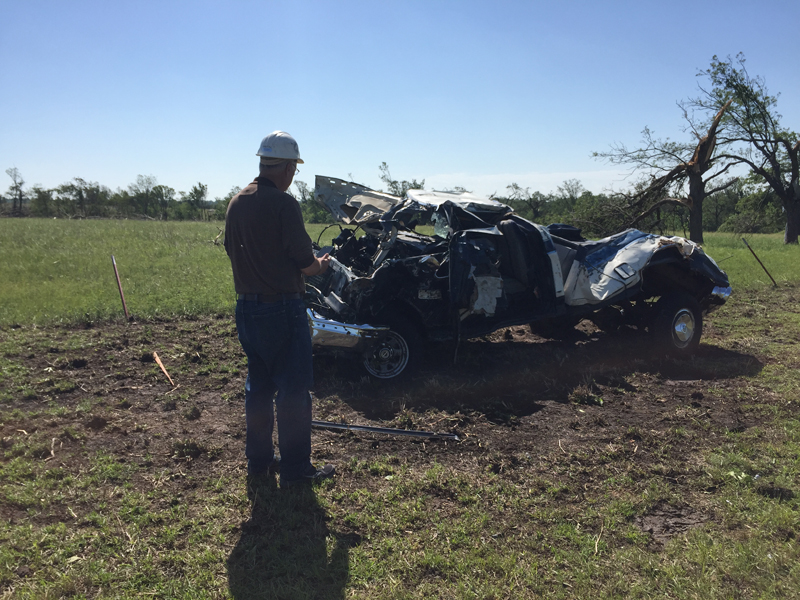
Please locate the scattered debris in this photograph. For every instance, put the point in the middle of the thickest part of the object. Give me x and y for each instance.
(387, 430)
(192, 413)
(160, 364)
(52, 450)
(665, 521)
(96, 423)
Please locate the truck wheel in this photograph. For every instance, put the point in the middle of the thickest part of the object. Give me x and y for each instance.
(678, 324)
(394, 355)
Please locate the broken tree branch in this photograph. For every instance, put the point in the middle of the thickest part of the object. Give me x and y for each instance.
(52, 450)
(160, 364)
(654, 208)
(597, 541)
(723, 187)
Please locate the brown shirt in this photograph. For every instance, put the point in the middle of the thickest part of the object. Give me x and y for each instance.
(266, 240)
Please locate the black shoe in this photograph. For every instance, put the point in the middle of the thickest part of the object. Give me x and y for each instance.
(274, 467)
(311, 476)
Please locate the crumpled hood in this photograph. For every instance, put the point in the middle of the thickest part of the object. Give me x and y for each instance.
(355, 204)
(351, 203)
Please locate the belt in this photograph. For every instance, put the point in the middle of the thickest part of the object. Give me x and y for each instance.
(269, 297)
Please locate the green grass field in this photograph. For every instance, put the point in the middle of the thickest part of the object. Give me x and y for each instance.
(114, 484)
(56, 270)
(743, 270)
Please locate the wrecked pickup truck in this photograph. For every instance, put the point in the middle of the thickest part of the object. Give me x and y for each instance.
(390, 291)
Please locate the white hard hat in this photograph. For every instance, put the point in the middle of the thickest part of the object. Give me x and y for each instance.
(279, 144)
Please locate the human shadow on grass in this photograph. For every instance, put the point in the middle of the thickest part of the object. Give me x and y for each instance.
(283, 550)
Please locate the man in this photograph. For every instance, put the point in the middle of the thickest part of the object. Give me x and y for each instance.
(270, 252)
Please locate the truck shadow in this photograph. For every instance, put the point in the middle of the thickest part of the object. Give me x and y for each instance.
(511, 371)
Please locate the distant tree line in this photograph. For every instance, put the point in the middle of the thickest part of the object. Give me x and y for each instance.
(745, 206)
(81, 199)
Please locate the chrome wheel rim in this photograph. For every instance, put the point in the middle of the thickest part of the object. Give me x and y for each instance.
(683, 328)
(388, 358)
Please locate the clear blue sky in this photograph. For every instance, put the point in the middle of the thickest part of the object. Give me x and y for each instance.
(477, 94)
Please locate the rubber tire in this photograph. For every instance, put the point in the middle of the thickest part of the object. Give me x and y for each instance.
(678, 325)
(394, 358)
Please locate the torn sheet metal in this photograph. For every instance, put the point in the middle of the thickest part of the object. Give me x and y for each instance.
(465, 200)
(558, 277)
(594, 281)
(352, 203)
(612, 269)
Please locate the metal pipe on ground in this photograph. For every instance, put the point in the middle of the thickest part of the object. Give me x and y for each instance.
(385, 430)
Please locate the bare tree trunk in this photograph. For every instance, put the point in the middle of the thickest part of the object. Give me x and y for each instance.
(792, 204)
(792, 230)
(697, 194)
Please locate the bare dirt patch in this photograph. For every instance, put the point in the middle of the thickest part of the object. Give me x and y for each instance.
(596, 420)
(664, 521)
(516, 401)
(590, 444)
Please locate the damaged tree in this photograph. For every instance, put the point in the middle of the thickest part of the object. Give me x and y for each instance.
(15, 190)
(752, 131)
(529, 204)
(667, 184)
(397, 187)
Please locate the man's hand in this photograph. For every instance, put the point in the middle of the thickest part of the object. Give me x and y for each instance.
(318, 267)
(324, 262)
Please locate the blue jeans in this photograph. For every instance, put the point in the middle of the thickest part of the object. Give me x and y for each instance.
(276, 338)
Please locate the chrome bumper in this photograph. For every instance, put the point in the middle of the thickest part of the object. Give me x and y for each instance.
(719, 295)
(326, 333)
(723, 293)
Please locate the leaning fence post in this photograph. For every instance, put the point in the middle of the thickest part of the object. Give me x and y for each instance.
(119, 285)
(759, 262)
